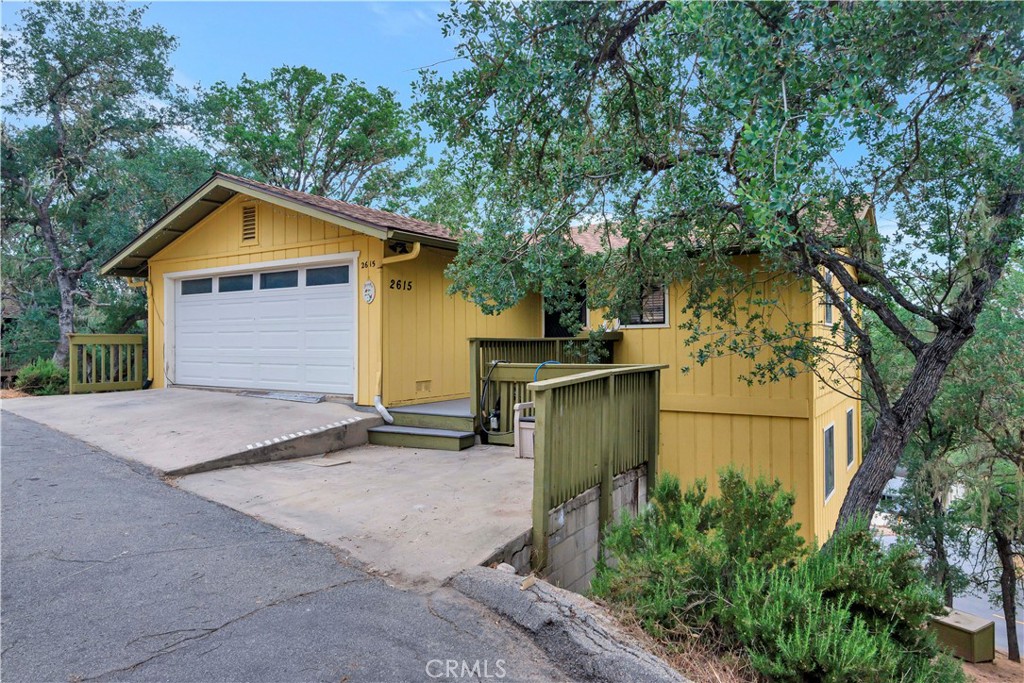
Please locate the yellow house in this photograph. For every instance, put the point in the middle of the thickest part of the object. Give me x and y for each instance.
(258, 287)
(804, 431)
(255, 286)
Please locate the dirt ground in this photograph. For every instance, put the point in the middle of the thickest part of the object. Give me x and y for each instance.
(1000, 671)
(11, 393)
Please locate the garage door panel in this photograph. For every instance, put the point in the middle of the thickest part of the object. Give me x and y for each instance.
(293, 338)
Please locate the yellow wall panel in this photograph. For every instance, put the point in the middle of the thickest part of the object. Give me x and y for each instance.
(426, 331)
(710, 419)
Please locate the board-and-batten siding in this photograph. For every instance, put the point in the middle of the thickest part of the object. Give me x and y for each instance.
(711, 419)
(216, 242)
(426, 331)
(830, 406)
(422, 344)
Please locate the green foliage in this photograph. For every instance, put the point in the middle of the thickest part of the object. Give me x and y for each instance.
(43, 377)
(735, 568)
(87, 102)
(317, 133)
(675, 558)
(682, 134)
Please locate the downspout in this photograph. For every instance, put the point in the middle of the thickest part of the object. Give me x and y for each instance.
(148, 286)
(380, 406)
(377, 403)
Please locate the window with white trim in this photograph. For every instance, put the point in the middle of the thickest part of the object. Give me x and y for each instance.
(847, 330)
(850, 440)
(830, 460)
(653, 309)
(828, 297)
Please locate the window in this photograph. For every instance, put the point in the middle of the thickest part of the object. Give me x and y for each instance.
(234, 283)
(653, 307)
(847, 330)
(849, 438)
(828, 297)
(249, 233)
(830, 460)
(200, 286)
(279, 280)
(332, 275)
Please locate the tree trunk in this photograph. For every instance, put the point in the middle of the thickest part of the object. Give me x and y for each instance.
(66, 285)
(941, 555)
(1008, 591)
(897, 424)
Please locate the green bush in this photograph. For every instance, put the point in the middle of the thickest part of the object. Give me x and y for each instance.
(735, 569)
(42, 378)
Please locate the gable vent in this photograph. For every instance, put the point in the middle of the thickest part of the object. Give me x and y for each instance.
(249, 223)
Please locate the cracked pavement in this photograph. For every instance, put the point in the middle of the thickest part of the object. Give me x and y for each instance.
(110, 574)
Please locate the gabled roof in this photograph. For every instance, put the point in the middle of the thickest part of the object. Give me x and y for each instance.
(221, 187)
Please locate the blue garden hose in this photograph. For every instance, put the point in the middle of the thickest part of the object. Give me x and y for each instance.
(547, 362)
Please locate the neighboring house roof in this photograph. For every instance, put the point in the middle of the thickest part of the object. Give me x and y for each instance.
(221, 187)
(598, 238)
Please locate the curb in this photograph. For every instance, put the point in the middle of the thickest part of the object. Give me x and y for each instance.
(577, 635)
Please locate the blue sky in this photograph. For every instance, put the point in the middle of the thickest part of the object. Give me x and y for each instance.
(381, 43)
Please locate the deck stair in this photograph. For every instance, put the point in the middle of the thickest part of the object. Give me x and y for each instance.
(443, 425)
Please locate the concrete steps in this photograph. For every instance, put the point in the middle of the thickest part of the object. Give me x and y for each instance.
(443, 425)
(421, 437)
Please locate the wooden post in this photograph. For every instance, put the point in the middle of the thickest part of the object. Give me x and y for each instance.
(655, 444)
(609, 445)
(72, 364)
(541, 478)
(474, 377)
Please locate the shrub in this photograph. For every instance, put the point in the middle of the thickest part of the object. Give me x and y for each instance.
(42, 378)
(736, 569)
(675, 558)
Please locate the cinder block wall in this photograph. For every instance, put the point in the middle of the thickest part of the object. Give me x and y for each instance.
(573, 536)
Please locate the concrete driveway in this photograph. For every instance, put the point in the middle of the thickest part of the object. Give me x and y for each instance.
(416, 516)
(176, 431)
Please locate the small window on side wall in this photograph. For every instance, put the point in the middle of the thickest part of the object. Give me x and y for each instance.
(653, 308)
(850, 438)
(830, 460)
(847, 330)
(828, 297)
(201, 286)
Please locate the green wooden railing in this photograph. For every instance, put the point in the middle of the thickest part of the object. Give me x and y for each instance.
(105, 362)
(506, 386)
(524, 350)
(590, 427)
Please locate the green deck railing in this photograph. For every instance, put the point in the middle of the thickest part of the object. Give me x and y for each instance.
(590, 427)
(524, 350)
(105, 362)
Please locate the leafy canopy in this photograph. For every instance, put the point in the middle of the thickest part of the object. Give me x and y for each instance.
(317, 133)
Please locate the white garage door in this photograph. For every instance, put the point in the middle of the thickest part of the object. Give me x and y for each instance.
(287, 328)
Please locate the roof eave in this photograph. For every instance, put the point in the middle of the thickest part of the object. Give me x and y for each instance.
(115, 266)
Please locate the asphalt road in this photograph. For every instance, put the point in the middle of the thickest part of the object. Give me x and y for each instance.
(110, 574)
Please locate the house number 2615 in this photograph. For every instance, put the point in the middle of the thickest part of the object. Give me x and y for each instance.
(405, 285)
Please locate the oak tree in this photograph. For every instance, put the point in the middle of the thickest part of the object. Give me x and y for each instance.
(685, 133)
